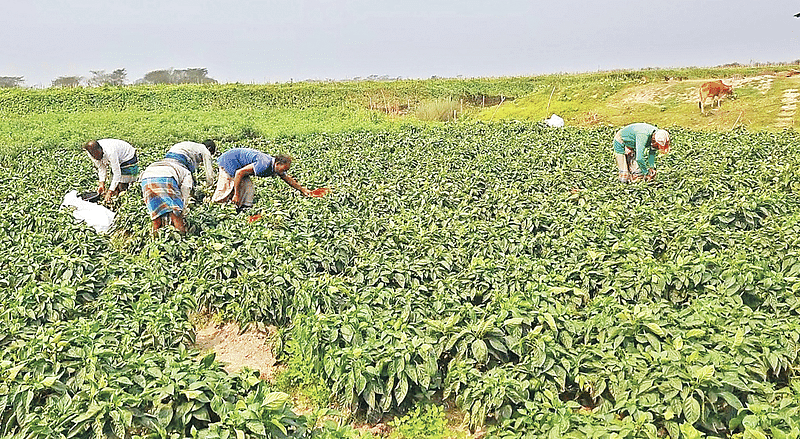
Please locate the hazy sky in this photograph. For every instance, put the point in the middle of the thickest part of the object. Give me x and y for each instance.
(280, 40)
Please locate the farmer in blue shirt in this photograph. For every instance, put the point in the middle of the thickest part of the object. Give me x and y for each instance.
(238, 164)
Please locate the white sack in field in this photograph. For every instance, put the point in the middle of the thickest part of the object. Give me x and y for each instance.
(554, 121)
(92, 214)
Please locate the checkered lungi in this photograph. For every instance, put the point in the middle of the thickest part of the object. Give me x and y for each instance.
(225, 189)
(129, 170)
(162, 195)
(626, 163)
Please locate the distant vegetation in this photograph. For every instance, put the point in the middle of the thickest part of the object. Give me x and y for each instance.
(11, 81)
(661, 96)
(176, 76)
(199, 75)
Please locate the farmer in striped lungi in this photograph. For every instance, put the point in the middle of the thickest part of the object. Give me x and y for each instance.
(166, 188)
(120, 156)
(238, 164)
(635, 148)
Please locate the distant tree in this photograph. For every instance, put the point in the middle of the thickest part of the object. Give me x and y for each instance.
(177, 76)
(67, 81)
(157, 77)
(117, 77)
(11, 81)
(194, 76)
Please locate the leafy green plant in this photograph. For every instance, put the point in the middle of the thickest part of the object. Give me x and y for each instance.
(424, 422)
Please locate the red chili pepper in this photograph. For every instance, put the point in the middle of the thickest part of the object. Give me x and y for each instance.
(320, 192)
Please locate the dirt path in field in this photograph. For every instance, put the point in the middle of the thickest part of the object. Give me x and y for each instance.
(788, 108)
(762, 83)
(237, 350)
(647, 94)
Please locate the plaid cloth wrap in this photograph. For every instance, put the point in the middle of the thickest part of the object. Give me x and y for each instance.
(130, 167)
(182, 159)
(162, 195)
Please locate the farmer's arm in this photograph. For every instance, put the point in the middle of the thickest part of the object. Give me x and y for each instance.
(293, 183)
(116, 171)
(651, 173)
(642, 152)
(208, 168)
(102, 174)
(186, 191)
(241, 173)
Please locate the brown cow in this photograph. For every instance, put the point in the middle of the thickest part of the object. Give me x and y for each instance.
(716, 90)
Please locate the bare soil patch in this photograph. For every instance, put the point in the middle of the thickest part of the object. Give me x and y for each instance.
(647, 94)
(236, 350)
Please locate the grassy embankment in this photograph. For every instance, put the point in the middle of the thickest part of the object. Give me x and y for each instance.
(160, 115)
(662, 97)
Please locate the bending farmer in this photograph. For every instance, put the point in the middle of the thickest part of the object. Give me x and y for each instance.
(121, 157)
(192, 155)
(166, 187)
(238, 164)
(635, 149)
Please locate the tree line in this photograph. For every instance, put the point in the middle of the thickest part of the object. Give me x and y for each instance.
(100, 78)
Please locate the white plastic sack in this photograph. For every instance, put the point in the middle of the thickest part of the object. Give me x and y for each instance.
(93, 214)
(554, 121)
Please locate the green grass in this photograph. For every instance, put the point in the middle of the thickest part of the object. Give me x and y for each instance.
(424, 422)
(439, 110)
(143, 128)
(299, 380)
(655, 97)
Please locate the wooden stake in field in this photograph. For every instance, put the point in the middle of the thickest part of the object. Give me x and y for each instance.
(737, 120)
(548, 101)
(502, 99)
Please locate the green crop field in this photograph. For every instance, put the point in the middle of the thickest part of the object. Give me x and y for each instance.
(491, 266)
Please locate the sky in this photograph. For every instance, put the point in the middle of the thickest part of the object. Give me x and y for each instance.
(266, 41)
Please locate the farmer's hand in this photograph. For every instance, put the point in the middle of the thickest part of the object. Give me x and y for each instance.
(101, 188)
(651, 175)
(628, 151)
(110, 194)
(306, 192)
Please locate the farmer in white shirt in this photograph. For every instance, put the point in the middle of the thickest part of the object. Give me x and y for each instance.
(193, 154)
(166, 187)
(121, 157)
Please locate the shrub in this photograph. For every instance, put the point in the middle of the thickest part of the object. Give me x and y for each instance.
(425, 422)
(441, 110)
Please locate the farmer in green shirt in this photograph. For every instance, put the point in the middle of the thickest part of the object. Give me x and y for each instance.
(635, 148)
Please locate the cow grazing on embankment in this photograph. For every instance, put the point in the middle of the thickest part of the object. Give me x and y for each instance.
(714, 89)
